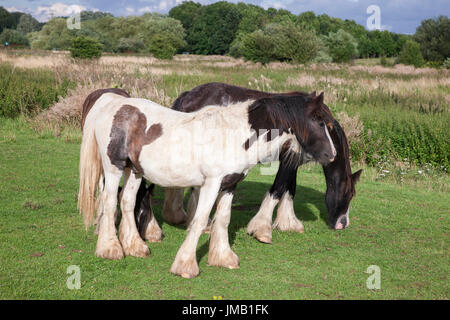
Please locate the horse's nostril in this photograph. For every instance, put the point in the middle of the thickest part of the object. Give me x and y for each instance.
(334, 152)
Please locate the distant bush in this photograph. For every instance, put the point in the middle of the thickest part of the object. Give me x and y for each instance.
(258, 47)
(411, 55)
(13, 37)
(278, 41)
(86, 48)
(342, 47)
(161, 48)
(28, 91)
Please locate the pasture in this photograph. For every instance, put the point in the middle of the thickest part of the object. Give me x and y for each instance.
(396, 120)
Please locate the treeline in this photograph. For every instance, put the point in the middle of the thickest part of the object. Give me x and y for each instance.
(240, 30)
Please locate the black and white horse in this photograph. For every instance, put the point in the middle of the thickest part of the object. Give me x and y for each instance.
(339, 179)
(211, 149)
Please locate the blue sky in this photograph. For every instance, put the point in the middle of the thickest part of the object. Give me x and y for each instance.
(402, 16)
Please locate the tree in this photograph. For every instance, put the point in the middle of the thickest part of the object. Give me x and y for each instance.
(258, 47)
(280, 41)
(411, 54)
(28, 24)
(293, 43)
(433, 36)
(162, 35)
(13, 37)
(6, 19)
(341, 45)
(214, 29)
(54, 34)
(86, 48)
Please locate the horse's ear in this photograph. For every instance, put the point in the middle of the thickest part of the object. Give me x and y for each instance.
(313, 94)
(316, 103)
(356, 176)
(319, 99)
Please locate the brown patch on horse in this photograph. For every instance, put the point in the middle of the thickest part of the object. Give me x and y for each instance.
(94, 96)
(128, 136)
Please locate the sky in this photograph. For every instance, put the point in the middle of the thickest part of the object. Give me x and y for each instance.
(400, 16)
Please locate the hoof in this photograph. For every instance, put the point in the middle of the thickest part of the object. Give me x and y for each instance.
(227, 260)
(136, 248)
(292, 225)
(153, 234)
(264, 238)
(262, 232)
(187, 269)
(111, 250)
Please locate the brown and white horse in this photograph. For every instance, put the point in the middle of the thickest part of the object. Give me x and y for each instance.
(211, 149)
(339, 179)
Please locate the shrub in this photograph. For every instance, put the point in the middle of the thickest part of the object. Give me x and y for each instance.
(13, 37)
(258, 47)
(411, 55)
(279, 41)
(161, 48)
(86, 48)
(293, 43)
(341, 45)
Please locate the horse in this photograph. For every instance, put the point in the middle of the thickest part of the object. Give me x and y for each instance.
(212, 149)
(340, 181)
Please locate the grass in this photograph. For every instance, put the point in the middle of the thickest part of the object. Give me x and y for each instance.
(401, 228)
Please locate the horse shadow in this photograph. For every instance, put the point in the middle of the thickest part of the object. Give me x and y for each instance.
(247, 199)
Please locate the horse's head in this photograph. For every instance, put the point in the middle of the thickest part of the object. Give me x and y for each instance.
(340, 181)
(315, 139)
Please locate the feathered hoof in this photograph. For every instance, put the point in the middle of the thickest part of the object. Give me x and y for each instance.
(262, 232)
(111, 250)
(153, 233)
(187, 269)
(136, 248)
(291, 225)
(223, 259)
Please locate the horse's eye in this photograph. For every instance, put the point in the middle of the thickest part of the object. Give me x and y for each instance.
(322, 124)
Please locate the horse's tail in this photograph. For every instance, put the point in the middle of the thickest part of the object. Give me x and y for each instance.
(90, 173)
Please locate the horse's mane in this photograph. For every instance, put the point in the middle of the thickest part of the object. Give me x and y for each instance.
(285, 112)
(343, 154)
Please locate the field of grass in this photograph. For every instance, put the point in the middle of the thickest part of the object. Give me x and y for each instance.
(399, 218)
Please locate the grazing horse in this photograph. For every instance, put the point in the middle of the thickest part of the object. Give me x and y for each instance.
(339, 179)
(212, 149)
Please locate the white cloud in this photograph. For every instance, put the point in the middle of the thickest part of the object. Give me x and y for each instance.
(44, 13)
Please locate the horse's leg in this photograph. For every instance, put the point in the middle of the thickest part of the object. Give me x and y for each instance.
(173, 211)
(185, 263)
(286, 219)
(220, 253)
(108, 246)
(192, 206)
(261, 224)
(129, 237)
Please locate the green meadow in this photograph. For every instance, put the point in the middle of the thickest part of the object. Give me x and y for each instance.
(396, 120)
